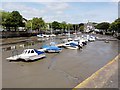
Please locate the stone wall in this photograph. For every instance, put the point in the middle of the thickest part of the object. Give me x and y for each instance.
(8, 34)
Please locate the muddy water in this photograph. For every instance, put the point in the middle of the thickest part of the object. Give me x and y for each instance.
(61, 70)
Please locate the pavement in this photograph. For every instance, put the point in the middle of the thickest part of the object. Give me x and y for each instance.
(112, 82)
(106, 77)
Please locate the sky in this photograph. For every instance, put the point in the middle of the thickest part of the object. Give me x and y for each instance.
(71, 12)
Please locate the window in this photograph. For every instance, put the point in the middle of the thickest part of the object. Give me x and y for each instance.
(32, 51)
(29, 51)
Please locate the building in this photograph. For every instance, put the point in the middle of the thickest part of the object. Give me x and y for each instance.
(88, 27)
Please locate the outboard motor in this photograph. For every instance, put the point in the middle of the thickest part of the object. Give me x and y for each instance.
(84, 43)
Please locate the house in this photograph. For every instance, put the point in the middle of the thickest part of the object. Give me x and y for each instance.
(88, 27)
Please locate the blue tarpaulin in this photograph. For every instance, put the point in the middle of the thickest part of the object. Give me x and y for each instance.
(73, 44)
(38, 52)
(53, 48)
(48, 47)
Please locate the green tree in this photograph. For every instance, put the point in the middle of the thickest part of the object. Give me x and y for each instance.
(28, 25)
(117, 20)
(5, 19)
(103, 26)
(81, 28)
(37, 24)
(56, 25)
(69, 26)
(16, 19)
(63, 25)
(13, 19)
(115, 26)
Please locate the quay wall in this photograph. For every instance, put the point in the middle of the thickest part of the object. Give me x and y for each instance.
(10, 34)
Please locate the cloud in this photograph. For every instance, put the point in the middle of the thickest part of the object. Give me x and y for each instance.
(61, 11)
(27, 12)
(56, 7)
(30, 12)
(60, 0)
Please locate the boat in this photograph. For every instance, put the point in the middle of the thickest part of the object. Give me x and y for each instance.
(43, 35)
(91, 38)
(70, 39)
(78, 41)
(52, 35)
(28, 55)
(71, 45)
(40, 35)
(52, 48)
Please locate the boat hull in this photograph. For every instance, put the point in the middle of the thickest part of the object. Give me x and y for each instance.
(26, 58)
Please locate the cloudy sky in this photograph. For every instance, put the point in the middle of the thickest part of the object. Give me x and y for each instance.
(71, 12)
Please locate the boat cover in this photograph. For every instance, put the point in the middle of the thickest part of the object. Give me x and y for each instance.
(38, 52)
(53, 48)
(73, 44)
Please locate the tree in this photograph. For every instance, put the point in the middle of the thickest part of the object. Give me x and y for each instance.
(82, 28)
(55, 25)
(28, 25)
(13, 19)
(36, 24)
(115, 26)
(63, 25)
(103, 26)
(16, 20)
(5, 19)
(117, 20)
(69, 26)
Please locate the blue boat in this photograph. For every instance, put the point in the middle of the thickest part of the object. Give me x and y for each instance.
(52, 48)
(71, 45)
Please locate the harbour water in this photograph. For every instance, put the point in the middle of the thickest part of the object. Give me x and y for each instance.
(57, 70)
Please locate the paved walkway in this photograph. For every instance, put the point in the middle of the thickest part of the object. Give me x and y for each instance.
(106, 77)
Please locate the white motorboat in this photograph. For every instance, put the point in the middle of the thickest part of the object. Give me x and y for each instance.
(71, 45)
(28, 55)
(91, 38)
(40, 35)
(52, 35)
(70, 39)
(43, 35)
(78, 41)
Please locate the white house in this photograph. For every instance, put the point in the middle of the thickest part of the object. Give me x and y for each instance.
(88, 27)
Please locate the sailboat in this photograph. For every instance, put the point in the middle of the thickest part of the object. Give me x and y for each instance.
(71, 43)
